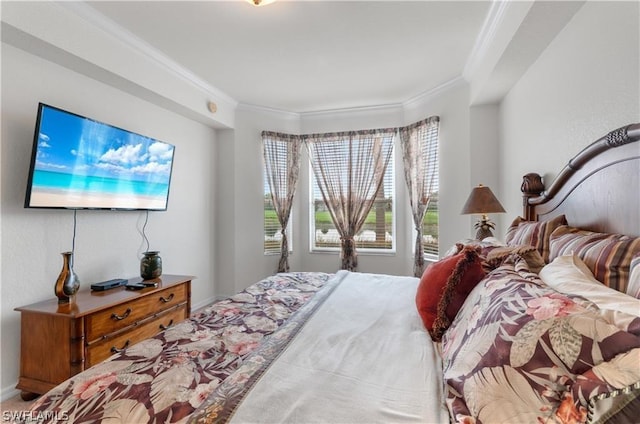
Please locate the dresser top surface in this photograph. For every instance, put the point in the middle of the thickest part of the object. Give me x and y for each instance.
(87, 301)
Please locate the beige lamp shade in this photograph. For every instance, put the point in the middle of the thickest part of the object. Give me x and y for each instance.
(482, 201)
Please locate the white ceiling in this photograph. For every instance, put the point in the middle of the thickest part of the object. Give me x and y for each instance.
(304, 56)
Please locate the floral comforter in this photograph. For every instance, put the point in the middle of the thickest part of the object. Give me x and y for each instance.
(165, 378)
(519, 351)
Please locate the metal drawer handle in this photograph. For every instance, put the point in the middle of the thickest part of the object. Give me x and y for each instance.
(164, 327)
(116, 350)
(166, 299)
(121, 317)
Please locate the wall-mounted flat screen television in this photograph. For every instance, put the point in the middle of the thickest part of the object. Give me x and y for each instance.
(80, 163)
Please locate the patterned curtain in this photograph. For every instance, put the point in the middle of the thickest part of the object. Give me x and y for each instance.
(349, 168)
(419, 149)
(282, 149)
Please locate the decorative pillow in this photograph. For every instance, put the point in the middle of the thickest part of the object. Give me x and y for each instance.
(534, 233)
(616, 406)
(453, 250)
(444, 286)
(483, 246)
(608, 256)
(609, 389)
(530, 254)
(568, 274)
(633, 288)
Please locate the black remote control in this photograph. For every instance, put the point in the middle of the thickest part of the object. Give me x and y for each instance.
(109, 284)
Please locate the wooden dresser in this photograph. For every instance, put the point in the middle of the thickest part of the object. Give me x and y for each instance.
(61, 340)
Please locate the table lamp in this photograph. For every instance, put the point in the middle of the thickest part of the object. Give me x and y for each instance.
(482, 201)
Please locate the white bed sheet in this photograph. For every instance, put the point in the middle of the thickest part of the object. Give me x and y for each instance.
(364, 357)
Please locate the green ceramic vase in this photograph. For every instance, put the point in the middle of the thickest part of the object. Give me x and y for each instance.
(150, 265)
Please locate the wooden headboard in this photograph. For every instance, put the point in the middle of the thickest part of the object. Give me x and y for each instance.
(598, 190)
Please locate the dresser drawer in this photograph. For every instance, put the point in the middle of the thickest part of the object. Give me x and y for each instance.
(103, 349)
(111, 320)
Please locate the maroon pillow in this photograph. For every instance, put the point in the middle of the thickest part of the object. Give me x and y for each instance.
(443, 288)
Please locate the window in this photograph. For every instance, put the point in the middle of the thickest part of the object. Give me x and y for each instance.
(429, 140)
(280, 171)
(430, 243)
(419, 143)
(377, 234)
(272, 227)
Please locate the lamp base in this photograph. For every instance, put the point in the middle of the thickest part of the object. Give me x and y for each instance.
(484, 226)
(483, 233)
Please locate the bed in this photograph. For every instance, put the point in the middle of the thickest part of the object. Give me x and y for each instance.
(541, 326)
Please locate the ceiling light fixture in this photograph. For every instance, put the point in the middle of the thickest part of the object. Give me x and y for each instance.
(260, 2)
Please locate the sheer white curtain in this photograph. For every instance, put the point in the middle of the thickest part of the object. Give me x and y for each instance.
(349, 168)
(282, 168)
(419, 153)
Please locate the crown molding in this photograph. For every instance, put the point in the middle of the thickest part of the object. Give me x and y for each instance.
(361, 110)
(426, 96)
(485, 37)
(268, 110)
(135, 43)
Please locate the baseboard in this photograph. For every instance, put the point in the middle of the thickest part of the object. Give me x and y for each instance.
(9, 392)
(203, 303)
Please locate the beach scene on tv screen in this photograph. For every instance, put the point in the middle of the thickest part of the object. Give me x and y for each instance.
(82, 163)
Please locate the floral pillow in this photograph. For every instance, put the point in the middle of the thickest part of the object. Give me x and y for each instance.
(517, 347)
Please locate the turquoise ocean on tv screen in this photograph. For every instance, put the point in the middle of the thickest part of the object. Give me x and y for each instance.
(48, 180)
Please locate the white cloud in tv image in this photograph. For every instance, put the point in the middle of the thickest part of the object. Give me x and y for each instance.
(81, 163)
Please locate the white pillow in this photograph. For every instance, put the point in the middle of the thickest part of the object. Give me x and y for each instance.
(568, 274)
(633, 287)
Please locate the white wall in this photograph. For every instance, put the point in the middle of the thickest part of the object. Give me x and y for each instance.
(484, 158)
(586, 83)
(108, 244)
(240, 238)
(225, 240)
